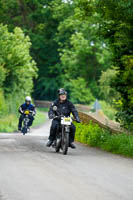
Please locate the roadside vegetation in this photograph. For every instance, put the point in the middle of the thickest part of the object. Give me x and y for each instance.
(94, 136)
(108, 110)
(17, 70)
(9, 124)
(84, 46)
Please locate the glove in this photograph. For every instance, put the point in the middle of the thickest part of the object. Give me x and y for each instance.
(51, 116)
(78, 120)
(33, 114)
(57, 117)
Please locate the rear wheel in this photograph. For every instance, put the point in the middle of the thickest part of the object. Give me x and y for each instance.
(57, 149)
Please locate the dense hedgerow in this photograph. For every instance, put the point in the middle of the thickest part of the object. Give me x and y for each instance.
(95, 136)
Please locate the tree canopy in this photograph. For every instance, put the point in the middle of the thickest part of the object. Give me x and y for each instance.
(62, 45)
(76, 44)
(17, 68)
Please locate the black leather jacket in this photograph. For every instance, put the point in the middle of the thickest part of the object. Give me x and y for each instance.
(65, 108)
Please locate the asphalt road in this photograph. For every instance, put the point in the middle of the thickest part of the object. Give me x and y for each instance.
(31, 171)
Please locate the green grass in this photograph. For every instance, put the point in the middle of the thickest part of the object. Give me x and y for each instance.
(9, 123)
(95, 136)
(43, 109)
(39, 119)
(108, 110)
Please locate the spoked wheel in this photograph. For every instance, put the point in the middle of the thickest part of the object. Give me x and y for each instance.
(65, 143)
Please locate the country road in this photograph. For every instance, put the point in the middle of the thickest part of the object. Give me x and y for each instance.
(31, 171)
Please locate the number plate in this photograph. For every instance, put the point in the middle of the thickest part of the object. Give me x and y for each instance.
(66, 121)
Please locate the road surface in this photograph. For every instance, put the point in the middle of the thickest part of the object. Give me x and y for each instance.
(31, 171)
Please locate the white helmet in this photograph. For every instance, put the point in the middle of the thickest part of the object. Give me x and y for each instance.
(28, 98)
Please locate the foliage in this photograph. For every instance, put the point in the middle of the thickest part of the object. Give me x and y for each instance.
(71, 40)
(36, 20)
(115, 21)
(3, 72)
(61, 43)
(79, 91)
(108, 110)
(17, 70)
(83, 54)
(16, 61)
(40, 118)
(108, 92)
(95, 136)
(120, 24)
(125, 103)
(9, 124)
(43, 109)
(3, 107)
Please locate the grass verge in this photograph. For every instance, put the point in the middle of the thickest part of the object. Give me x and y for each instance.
(39, 119)
(9, 123)
(95, 136)
(107, 109)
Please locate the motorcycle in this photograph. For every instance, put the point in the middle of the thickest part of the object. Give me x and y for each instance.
(62, 133)
(25, 128)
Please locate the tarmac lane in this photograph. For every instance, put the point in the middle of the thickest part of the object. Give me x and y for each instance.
(31, 171)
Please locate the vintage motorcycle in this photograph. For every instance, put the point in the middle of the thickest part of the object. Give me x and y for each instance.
(25, 129)
(62, 133)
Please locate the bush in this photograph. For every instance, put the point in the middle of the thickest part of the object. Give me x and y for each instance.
(8, 123)
(108, 110)
(95, 136)
(3, 106)
(107, 91)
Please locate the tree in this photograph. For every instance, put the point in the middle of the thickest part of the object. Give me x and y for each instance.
(80, 93)
(84, 54)
(115, 21)
(56, 29)
(17, 69)
(36, 20)
(118, 27)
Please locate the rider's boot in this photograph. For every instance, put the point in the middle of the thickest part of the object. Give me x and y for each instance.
(19, 128)
(72, 146)
(28, 129)
(49, 143)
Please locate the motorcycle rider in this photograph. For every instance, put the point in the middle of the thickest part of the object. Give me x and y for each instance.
(26, 106)
(66, 108)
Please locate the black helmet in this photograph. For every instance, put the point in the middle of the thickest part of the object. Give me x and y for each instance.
(62, 91)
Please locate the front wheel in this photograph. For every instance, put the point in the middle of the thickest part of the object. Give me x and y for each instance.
(58, 145)
(24, 130)
(65, 143)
